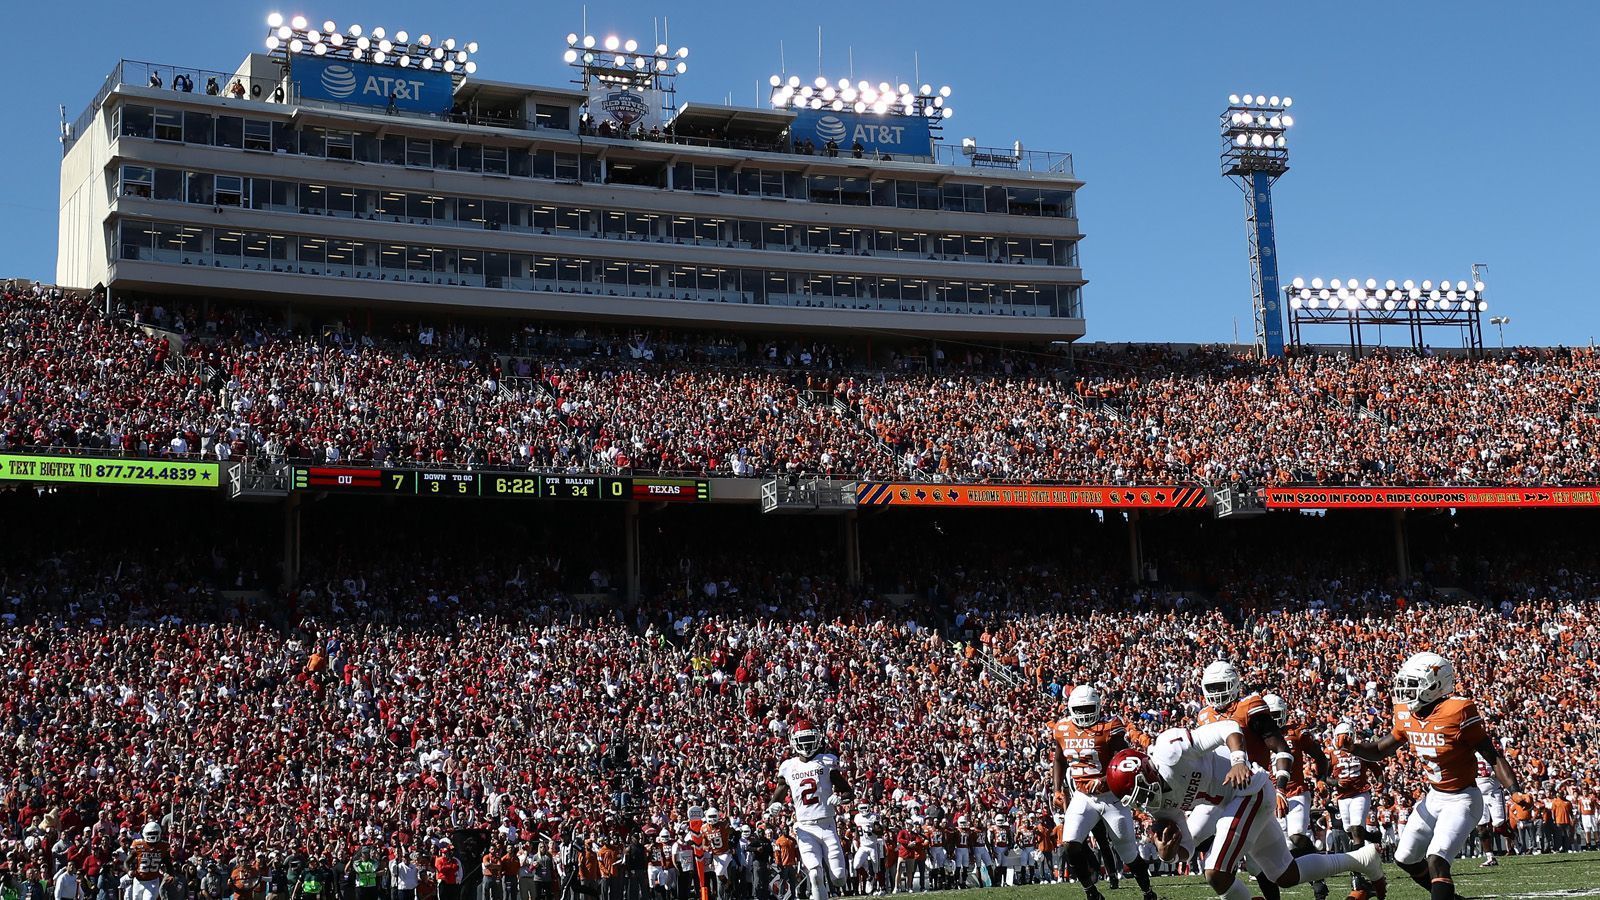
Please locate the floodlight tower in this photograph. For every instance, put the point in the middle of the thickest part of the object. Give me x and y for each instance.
(1254, 156)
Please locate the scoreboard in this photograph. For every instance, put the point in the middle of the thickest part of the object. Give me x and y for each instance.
(462, 483)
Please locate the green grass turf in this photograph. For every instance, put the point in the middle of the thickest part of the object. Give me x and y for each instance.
(1516, 878)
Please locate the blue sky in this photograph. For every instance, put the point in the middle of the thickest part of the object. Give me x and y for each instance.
(1428, 135)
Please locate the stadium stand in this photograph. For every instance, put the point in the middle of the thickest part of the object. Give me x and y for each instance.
(488, 498)
(246, 387)
(423, 683)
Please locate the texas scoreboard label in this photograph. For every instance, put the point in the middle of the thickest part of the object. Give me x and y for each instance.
(110, 470)
(461, 483)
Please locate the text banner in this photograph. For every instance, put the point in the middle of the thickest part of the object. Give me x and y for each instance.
(894, 135)
(96, 470)
(1430, 498)
(1030, 496)
(366, 84)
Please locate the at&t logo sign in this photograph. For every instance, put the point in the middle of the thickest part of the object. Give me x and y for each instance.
(339, 81)
(868, 134)
(360, 83)
(831, 128)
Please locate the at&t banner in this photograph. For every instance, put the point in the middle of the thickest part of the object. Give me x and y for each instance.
(894, 135)
(366, 84)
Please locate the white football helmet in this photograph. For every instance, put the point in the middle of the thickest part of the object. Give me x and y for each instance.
(1083, 706)
(1278, 708)
(713, 816)
(1219, 683)
(151, 833)
(1424, 678)
(962, 821)
(1343, 730)
(805, 740)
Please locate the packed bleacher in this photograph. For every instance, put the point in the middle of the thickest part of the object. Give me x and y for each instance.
(420, 682)
(245, 385)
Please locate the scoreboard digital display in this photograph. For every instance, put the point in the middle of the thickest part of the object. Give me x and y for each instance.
(461, 483)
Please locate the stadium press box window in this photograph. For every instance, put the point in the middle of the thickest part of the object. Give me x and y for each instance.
(134, 120)
(320, 199)
(225, 247)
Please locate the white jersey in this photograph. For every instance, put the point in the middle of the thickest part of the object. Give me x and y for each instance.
(1193, 764)
(811, 786)
(866, 824)
(1486, 780)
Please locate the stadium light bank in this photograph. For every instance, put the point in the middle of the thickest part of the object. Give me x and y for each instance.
(1418, 306)
(1255, 154)
(295, 36)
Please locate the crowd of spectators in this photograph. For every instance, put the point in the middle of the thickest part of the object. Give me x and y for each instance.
(227, 384)
(397, 697)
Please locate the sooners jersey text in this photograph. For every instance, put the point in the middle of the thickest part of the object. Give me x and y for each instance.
(811, 786)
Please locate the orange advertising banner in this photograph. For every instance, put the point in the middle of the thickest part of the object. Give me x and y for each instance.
(1430, 498)
(1034, 496)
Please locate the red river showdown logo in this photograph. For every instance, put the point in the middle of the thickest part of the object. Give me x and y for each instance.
(625, 107)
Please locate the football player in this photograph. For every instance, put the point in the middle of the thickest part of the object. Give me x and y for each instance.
(966, 839)
(1259, 735)
(717, 840)
(148, 859)
(1587, 821)
(1353, 793)
(1000, 844)
(868, 862)
(1185, 776)
(982, 858)
(1493, 822)
(813, 780)
(938, 853)
(1086, 742)
(1294, 801)
(1444, 732)
(662, 877)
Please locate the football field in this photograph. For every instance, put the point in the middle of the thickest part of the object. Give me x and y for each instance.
(1529, 877)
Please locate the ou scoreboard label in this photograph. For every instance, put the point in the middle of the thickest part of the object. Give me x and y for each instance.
(366, 84)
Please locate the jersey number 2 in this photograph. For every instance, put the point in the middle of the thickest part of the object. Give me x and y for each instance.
(808, 791)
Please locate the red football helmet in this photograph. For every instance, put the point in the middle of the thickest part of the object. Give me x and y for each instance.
(805, 739)
(1131, 778)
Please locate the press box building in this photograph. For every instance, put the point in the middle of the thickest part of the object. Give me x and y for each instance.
(342, 176)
